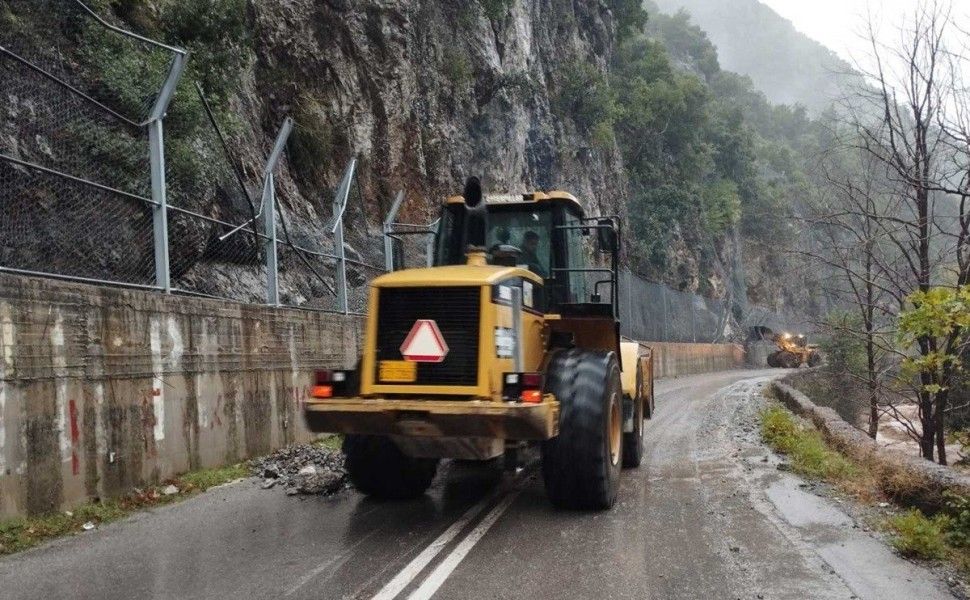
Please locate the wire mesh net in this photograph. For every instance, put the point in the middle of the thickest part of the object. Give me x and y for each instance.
(74, 182)
(307, 279)
(363, 247)
(57, 225)
(202, 263)
(215, 235)
(124, 73)
(75, 185)
(46, 123)
(308, 252)
(412, 245)
(651, 311)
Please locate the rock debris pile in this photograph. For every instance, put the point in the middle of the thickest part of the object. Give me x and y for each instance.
(302, 469)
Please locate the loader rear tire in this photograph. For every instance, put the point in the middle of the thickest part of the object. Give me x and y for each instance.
(377, 467)
(633, 440)
(581, 466)
(814, 359)
(773, 360)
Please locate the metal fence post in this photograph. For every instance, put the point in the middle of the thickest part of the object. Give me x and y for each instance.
(269, 214)
(339, 206)
(269, 229)
(389, 229)
(693, 320)
(156, 145)
(432, 234)
(663, 302)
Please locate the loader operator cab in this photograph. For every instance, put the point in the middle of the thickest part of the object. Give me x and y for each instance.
(549, 235)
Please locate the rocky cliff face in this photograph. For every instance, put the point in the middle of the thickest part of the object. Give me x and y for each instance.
(427, 93)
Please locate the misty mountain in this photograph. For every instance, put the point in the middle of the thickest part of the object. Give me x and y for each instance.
(754, 40)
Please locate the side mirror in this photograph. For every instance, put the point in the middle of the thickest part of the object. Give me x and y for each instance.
(606, 236)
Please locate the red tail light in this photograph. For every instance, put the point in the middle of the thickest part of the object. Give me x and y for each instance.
(332, 384)
(322, 391)
(522, 387)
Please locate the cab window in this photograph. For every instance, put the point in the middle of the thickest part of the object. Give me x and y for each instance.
(520, 238)
(576, 259)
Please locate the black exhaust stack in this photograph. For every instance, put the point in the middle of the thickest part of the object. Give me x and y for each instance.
(476, 217)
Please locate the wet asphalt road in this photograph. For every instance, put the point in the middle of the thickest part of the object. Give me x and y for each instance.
(707, 516)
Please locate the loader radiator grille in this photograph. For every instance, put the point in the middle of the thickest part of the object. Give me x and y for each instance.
(456, 310)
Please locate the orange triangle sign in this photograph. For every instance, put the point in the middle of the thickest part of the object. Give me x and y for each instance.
(424, 343)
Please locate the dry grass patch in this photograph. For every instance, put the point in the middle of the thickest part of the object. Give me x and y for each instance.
(26, 532)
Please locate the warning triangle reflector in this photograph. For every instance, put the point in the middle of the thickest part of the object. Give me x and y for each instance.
(424, 343)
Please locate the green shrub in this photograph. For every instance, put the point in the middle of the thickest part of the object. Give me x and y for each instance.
(313, 140)
(919, 536)
(957, 509)
(845, 351)
(584, 95)
(456, 67)
(8, 19)
(495, 9)
(722, 205)
(629, 15)
(217, 33)
(805, 447)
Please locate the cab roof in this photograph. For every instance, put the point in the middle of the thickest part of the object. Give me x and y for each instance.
(526, 198)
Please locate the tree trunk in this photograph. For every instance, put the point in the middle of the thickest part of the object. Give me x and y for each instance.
(941, 401)
(927, 438)
(873, 413)
(871, 372)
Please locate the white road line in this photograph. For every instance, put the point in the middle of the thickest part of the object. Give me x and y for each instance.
(443, 570)
(407, 575)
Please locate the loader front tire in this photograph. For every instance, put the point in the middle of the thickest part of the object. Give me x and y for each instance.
(789, 360)
(581, 466)
(377, 467)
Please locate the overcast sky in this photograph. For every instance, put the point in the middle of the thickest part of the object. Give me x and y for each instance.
(839, 24)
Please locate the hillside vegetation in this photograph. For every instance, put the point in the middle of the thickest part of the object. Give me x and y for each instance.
(715, 170)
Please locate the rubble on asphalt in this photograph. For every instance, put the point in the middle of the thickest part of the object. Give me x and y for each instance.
(302, 469)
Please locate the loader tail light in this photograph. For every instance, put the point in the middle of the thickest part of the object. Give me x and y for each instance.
(322, 391)
(522, 387)
(330, 384)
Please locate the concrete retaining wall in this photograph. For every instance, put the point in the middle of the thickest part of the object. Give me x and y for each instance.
(103, 389)
(909, 479)
(673, 360)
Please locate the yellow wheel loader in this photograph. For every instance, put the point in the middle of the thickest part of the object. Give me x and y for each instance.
(793, 352)
(511, 338)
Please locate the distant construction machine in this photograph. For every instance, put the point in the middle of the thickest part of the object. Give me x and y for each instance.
(793, 352)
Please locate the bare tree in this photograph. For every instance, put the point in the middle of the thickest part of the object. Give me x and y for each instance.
(910, 122)
(846, 237)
